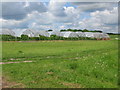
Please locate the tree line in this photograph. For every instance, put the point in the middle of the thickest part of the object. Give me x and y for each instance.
(77, 30)
(52, 37)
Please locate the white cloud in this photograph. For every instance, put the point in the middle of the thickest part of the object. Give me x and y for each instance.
(93, 6)
(107, 16)
(106, 20)
(56, 16)
(56, 8)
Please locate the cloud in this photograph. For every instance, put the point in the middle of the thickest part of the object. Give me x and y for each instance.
(93, 6)
(19, 10)
(59, 15)
(56, 8)
(10, 24)
(33, 6)
(106, 20)
(13, 10)
(108, 17)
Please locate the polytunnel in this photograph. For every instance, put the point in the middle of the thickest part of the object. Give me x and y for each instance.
(7, 32)
(96, 35)
(80, 34)
(44, 33)
(89, 34)
(70, 34)
(31, 33)
(57, 33)
(106, 36)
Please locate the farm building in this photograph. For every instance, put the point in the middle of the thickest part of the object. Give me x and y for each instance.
(7, 32)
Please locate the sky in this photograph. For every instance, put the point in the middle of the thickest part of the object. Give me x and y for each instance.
(19, 16)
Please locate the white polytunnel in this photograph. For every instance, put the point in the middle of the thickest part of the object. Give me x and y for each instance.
(70, 34)
(31, 33)
(7, 32)
(44, 33)
(66, 34)
(58, 33)
(89, 34)
(80, 34)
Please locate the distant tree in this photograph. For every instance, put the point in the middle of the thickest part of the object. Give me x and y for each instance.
(24, 37)
(0, 37)
(96, 31)
(50, 30)
(69, 30)
(43, 37)
(62, 30)
(79, 30)
(85, 30)
(34, 38)
(18, 38)
(8, 38)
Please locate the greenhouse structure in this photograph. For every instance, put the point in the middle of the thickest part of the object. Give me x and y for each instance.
(44, 33)
(7, 32)
(65, 34)
(70, 34)
(31, 33)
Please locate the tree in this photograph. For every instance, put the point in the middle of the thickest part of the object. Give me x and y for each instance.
(62, 30)
(8, 38)
(85, 30)
(24, 37)
(50, 30)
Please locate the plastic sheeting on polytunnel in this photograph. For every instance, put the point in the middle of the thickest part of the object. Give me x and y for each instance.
(31, 33)
(62, 34)
(44, 33)
(50, 33)
(98, 35)
(57, 33)
(105, 35)
(7, 32)
(89, 34)
(80, 34)
(70, 34)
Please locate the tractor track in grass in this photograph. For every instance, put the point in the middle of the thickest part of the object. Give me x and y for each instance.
(15, 62)
(8, 84)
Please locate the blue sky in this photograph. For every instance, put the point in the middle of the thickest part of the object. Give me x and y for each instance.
(59, 15)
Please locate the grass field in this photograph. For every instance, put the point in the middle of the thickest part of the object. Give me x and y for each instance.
(61, 64)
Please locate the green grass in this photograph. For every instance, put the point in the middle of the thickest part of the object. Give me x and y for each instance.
(62, 64)
(113, 37)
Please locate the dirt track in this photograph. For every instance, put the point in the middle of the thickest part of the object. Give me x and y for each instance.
(7, 84)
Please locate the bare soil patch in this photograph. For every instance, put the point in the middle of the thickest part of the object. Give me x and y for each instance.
(8, 84)
(14, 62)
(72, 85)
